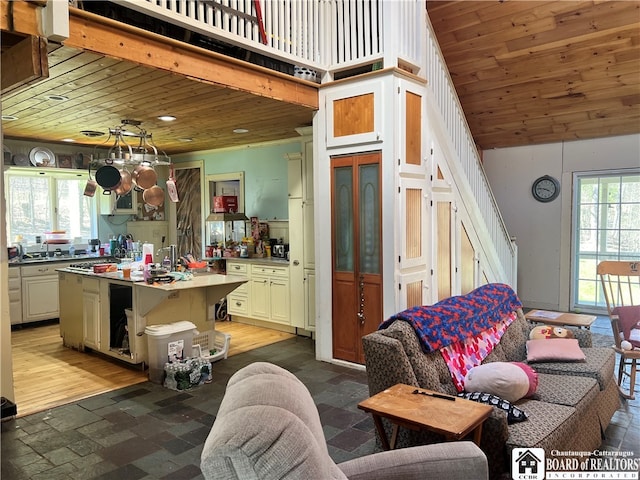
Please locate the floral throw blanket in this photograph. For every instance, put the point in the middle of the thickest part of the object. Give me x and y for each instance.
(457, 318)
(462, 356)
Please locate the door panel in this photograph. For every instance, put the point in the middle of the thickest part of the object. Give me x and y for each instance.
(356, 247)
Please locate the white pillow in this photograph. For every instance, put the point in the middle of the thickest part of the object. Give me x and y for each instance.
(508, 380)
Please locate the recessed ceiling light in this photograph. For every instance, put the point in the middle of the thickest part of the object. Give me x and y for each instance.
(57, 98)
(186, 140)
(240, 130)
(91, 133)
(9, 118)
(166, 118)
(68, 140)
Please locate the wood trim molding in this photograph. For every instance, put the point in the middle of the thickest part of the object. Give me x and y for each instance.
(101, 35)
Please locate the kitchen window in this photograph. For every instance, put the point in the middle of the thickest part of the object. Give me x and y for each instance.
(43, 201)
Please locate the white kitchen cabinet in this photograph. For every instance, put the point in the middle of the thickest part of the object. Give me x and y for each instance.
(91, 313)
(118, 204)
(39, 292)
(238, 300)
(310, 300)
(301, 231)
(270, 293)
(15, 296)
(294, 176)
(279, 300)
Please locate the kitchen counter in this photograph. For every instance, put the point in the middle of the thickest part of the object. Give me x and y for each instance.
(60, 259)
(92, 321)
(255, 260)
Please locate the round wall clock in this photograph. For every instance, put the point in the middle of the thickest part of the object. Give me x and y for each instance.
(545, 188)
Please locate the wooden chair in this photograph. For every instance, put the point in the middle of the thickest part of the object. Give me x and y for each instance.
(621, 284)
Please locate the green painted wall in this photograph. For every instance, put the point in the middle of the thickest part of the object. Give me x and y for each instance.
(265, 175)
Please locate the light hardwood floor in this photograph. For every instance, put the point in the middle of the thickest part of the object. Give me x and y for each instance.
(46, 374)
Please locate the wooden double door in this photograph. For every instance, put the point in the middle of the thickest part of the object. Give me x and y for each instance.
(356, 252)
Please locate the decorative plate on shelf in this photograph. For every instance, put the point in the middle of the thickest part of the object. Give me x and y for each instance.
(21, 160)
(42, 157)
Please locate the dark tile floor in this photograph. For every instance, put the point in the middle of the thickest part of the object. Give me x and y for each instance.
(149, 432)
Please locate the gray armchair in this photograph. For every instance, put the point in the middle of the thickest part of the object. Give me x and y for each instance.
(268, 428)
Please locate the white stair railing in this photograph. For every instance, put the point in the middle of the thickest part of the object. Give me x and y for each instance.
(448, 104)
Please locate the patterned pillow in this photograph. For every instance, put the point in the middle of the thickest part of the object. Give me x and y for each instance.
(514, 414)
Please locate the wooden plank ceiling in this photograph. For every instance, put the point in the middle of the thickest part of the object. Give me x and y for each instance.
(102, 91)
(526, 72)
(531, 72)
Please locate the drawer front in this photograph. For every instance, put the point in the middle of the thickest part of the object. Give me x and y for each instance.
(91, 285)
(15, 284)
(14, 272)
(38, 270)
(269, 271)
(237, 268)
(15, 295)
(238, 305)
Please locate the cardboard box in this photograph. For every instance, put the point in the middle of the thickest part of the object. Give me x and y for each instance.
(225, 204)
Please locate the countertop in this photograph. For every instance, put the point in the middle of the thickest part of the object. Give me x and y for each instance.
(257, 260)
(61, 259)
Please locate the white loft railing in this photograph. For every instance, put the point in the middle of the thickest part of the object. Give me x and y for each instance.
(448, 104)
(334, 35)
(325, 35)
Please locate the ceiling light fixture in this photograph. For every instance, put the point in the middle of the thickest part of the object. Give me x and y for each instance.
(68, 140)
(240, 130)
(91, 133)
(57, 98)
(9, 118)
(166, 118)
(186, 140)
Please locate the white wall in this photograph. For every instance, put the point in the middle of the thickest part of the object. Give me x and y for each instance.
(543, 230)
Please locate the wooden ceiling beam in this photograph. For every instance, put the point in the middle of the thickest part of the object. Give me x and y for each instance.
(114, 39)
(23, 73)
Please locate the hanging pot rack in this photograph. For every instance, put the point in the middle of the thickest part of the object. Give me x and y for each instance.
(123, 153)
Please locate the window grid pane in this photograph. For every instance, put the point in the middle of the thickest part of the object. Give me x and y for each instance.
(606, 228)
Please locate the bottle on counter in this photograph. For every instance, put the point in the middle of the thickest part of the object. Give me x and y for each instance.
(148, 263)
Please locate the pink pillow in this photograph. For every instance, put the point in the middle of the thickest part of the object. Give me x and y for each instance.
(629, 319)
(554, 350)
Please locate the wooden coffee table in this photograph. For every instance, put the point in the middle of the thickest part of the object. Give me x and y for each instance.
(561, 319)
(454, 419)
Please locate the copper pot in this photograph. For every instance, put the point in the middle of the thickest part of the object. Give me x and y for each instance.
(126, 182)
(153, 196)
(144, 176)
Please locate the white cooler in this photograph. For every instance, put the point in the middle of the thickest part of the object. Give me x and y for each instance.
(173, 341)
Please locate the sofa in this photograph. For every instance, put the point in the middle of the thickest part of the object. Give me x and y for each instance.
(268, 428)
(569, 411)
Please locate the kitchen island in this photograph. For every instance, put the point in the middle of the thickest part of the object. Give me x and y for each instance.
(95, 308)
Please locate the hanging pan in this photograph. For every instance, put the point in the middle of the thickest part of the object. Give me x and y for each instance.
(144, 176)
(153, 196)
(108, 177)
(125, 182)
(172, 190)
(90, 187)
